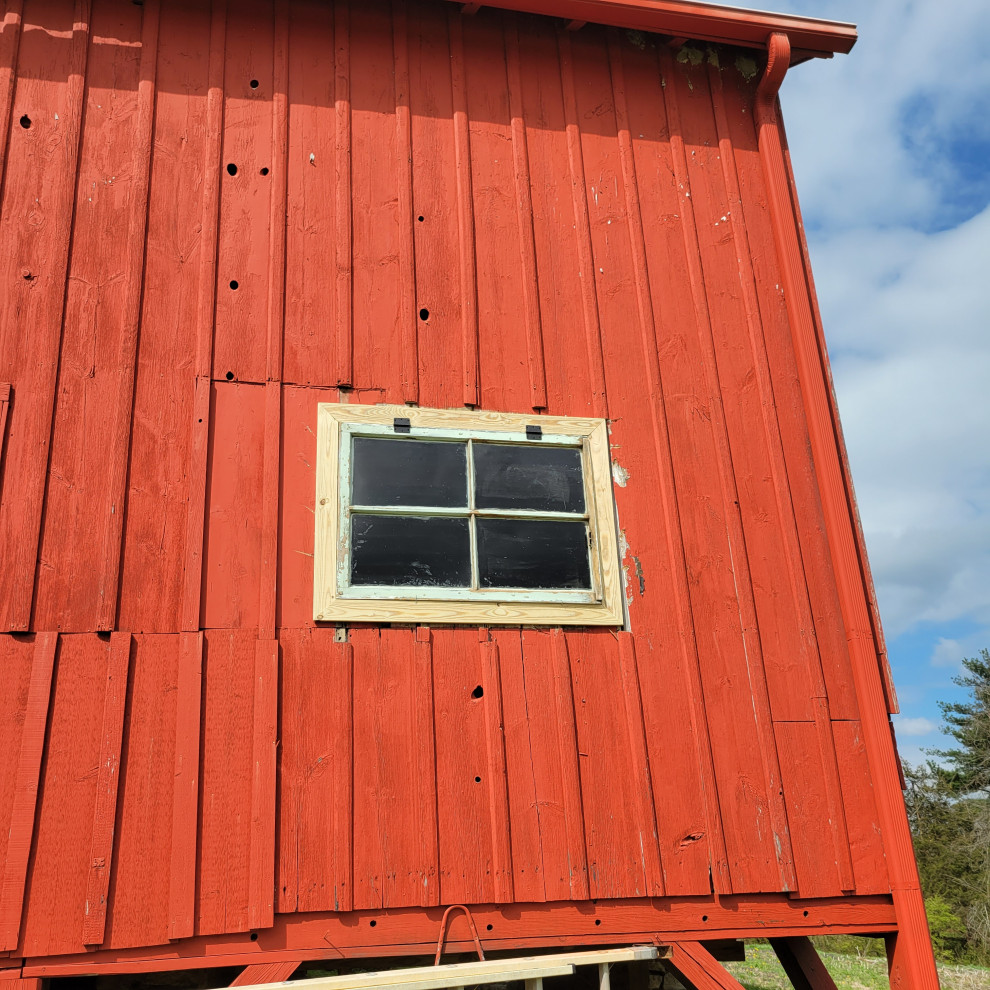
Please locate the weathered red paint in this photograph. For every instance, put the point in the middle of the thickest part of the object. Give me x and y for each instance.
(216, 217)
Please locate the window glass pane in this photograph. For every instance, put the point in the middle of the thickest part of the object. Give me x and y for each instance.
(396, 471)
(418, 551)
(533, 553)
(511, 476)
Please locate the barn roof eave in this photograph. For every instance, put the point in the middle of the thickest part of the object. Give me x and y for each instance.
(809, 36)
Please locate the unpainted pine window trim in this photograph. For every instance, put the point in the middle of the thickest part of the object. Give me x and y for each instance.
(603, 606)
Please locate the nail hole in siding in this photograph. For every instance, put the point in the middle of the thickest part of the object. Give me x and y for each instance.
(264, 171)
(478, 692)
(598, 921)
(254, 936)
(254, 84)
(420, 219)
(233, 283)
(488, 928)
(424, 314)
(231, 169)
(229, 376)
(25, 121)
(372, 922)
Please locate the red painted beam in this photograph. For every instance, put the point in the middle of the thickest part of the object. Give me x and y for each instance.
(413, 931)
(700, 21)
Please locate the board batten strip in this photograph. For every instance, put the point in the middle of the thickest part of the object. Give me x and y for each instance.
(20, 560)
(524, 206)
(261, 869)
(797, 578)
(278, 211)
(582, 222)
(107, 780)
(570, 771)
(271, 485)
(343, 813)
(426, 755)
(498, 783)
(185, 792)
(665, 460)
(747, 613)
(4, 413)
(407, 242)
(22, 815)
(465, 211)
(343, 220)
(120, 437)
(10, 36)
(192, 581)
(642, 782)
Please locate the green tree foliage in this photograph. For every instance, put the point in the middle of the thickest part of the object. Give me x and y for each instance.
(948, 801)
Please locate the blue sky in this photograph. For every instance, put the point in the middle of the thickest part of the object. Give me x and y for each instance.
(891, 148)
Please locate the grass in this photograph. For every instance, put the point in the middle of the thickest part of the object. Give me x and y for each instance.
(761, 971)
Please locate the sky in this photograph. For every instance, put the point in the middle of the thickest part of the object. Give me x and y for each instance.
(891, 152)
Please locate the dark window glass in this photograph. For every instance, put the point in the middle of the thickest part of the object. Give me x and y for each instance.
(533, 553)
(408, 472)
(509, 476)
(419, 551)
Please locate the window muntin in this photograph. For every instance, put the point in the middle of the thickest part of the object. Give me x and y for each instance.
(463, 517)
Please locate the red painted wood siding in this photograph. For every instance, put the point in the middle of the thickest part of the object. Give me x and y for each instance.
(214, 219)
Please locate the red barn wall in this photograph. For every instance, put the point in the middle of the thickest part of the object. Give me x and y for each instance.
(583, 215)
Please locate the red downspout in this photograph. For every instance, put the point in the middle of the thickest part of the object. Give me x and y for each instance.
(912, 964)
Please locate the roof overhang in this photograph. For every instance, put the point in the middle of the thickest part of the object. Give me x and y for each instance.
(691, 19)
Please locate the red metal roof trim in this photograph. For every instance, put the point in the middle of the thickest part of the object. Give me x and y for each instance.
(701, 21)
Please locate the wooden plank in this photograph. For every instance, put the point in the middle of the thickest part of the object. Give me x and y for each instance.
(343, 228)
(270, 495)
(700, 968)
(426, 768)
(233, 538)
(524, 204)
(498, 792)
(244, 265)
(79, 496)
(261, 868)
(467, 268)
(143, 868)
(107, 781)
(434, 197)
(308, 345)
(316, 772)
(126, 363)
(4, 413)
(35, 232)
(857, 793)
(192, 582)
(802, 964)
(639, 763)
(225, 883)
(523, 765)
(161, 457)
(412, 931)
(58, 876)
(278, 175)
(10, 36)
(589, 297)
(25, 797)
(382, 216)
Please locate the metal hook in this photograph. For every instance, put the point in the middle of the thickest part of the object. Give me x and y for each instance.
(443, 931)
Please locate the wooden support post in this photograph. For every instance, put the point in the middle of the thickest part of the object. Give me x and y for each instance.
(701, 969)
(604, 977)
(270, 972)
(802, 963)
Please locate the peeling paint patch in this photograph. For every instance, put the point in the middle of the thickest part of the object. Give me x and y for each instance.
(746, 66)
(619, 474)
(639, 576)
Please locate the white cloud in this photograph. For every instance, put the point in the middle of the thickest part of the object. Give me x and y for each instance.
(890, 145)
(913, 726)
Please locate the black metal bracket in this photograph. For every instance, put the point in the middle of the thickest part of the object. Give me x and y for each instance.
(534, 432)
(401, 425)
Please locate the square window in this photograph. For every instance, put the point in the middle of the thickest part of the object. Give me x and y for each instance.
(445, 516)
